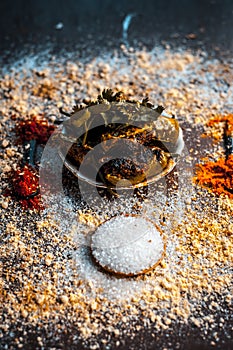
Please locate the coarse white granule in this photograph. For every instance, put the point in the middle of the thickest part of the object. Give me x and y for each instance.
(127, 245)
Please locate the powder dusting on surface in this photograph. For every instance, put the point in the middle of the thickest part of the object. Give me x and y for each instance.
(48, 280)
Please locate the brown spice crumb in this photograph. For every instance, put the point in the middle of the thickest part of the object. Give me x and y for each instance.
(191, 36)
(4, 204)
(5, 143)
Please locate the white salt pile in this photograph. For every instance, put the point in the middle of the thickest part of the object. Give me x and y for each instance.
(127, 245)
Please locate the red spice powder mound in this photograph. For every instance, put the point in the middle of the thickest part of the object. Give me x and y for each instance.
(25, 183)
(217, 176)
(34, 129)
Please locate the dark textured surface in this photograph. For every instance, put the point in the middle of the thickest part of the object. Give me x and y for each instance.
(99, 22)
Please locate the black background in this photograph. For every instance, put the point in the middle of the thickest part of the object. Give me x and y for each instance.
(99, 22)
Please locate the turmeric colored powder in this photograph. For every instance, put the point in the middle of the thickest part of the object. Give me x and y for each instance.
(216, 132)
(217, 176)
(222, 118)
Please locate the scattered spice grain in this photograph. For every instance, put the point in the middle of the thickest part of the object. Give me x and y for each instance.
(197, 267)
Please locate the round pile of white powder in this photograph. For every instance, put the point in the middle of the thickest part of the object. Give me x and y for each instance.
(127, 245)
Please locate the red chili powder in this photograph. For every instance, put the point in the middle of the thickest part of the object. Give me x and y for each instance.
(34, 129)
(25, 182)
